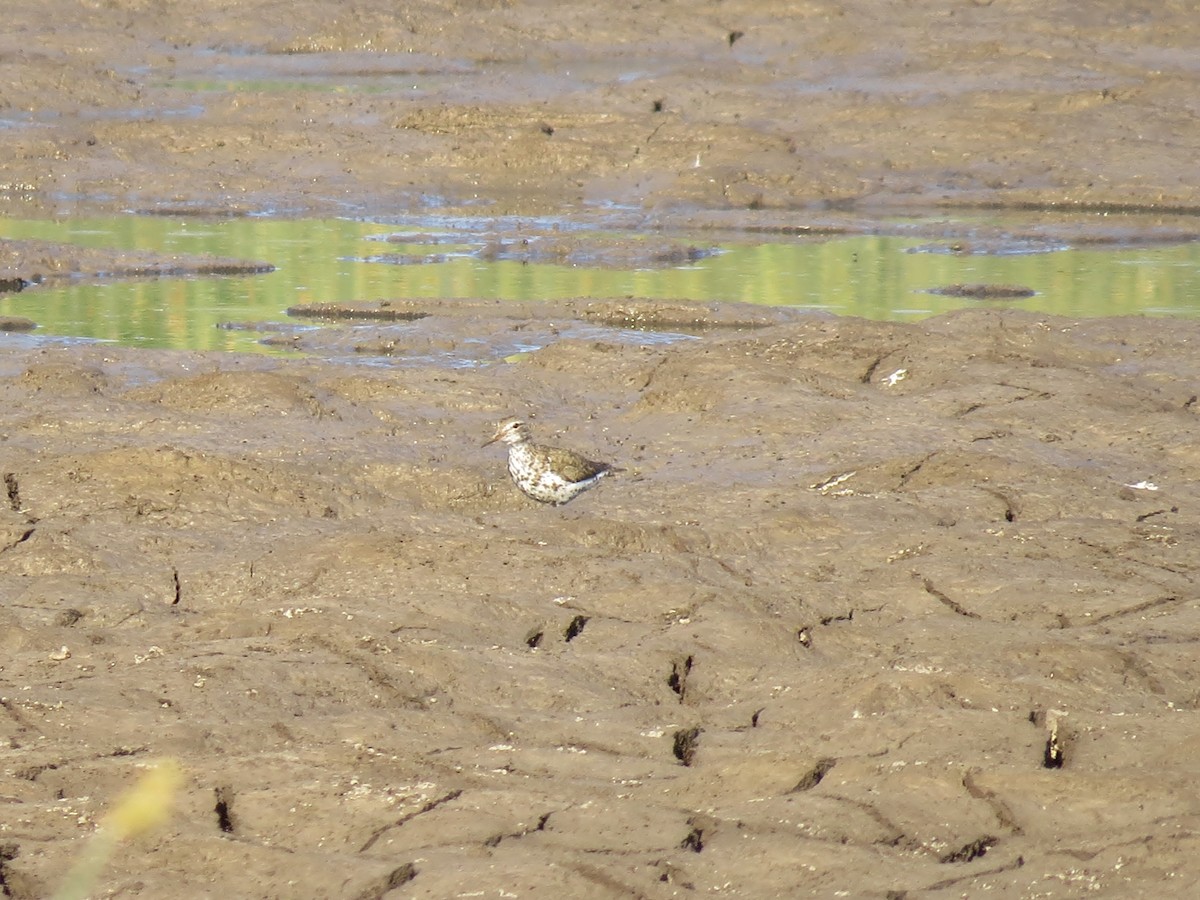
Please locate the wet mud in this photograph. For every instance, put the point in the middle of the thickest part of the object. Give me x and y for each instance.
(536, 107)
(874, 609)
(27, 262)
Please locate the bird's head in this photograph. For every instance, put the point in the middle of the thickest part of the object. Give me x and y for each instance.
(510, 431)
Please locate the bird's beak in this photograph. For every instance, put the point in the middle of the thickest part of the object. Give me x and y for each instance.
(495, 437)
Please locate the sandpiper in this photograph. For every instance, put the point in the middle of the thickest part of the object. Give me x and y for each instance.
(547, 474)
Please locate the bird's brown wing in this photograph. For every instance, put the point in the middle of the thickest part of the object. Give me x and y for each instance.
(572, 466)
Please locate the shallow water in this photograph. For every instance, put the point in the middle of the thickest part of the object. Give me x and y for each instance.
(879, 277)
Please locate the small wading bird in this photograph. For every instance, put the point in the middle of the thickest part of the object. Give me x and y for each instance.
(547, 474)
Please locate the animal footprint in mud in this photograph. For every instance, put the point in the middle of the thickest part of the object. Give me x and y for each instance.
(575, 628)
(14, 491)
(1054, 756)
(536, 635)
(677, 680)
(224, 808)
(685, 743)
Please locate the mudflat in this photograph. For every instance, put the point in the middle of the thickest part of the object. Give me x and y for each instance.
(873, 610)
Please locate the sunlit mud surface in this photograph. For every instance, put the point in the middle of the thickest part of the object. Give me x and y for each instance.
(895, 594)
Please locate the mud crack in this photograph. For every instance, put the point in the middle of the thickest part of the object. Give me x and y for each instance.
(970, 851)
(495, 839)
(951, 604)
(405, 819)
(1000, 809)
(815, 775)
(399, 876)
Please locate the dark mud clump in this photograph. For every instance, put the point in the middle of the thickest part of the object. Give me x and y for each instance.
(31, 261)
(984, 291)
(374, 311)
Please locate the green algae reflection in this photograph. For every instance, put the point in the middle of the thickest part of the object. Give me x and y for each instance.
(345, 260)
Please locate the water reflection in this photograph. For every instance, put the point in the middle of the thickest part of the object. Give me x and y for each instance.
(327, 260)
